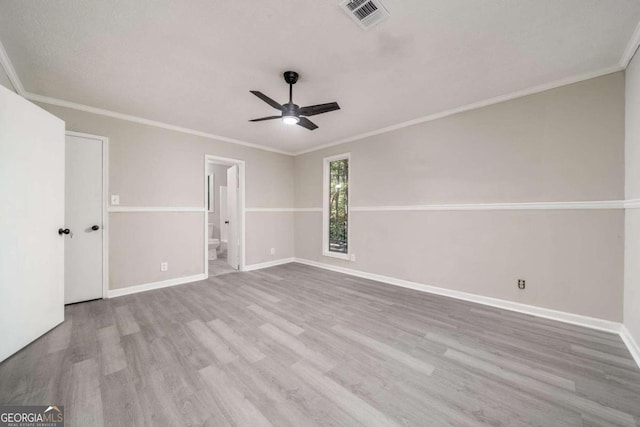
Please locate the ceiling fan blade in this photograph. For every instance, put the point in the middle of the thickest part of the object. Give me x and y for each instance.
(312, 110)
(266, 99)
(265, 118)
(307, 124)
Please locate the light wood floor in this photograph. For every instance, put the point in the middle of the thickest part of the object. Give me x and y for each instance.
(218, 267)
(297, 346)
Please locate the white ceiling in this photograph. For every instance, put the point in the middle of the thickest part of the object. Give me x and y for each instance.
(192, 63)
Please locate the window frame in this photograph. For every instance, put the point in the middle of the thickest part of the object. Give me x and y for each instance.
(325, 206)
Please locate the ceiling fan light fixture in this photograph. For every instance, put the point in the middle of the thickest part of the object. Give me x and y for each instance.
(291, 113)
(290, 120)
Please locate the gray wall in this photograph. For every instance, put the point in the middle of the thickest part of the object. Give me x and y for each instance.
(565, 144)
(632, 230)
(150, 166)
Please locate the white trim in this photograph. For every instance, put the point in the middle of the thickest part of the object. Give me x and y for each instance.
(155, 285)
(283, 210)
(105, 203)
(472, 106)
(275, 262)
(632, 204)
(631, 344)
(120, 209)
(574, 319)
(208, 158)
(108, 113)
(601, 204)
(587, 204)
(325, 206)
(6, 64)
(631, 48)
(607, 204)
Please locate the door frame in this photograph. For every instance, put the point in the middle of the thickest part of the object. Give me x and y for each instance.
(208, 158)
(105, 215)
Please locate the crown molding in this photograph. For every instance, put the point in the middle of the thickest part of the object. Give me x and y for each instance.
(473, 106)
(631, 48)
(629, 51)
(11, 72)
(6, 63)
(101, 111)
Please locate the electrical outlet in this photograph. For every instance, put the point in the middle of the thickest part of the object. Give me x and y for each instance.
(115, 199)
(352, 257)
(164, 266)
(273, 251)
(521, 284)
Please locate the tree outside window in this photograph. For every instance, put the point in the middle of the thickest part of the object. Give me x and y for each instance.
(338, 205)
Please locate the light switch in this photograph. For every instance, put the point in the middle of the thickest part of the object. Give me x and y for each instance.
(115, 199)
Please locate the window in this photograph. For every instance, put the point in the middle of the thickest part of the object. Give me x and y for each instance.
(336, 207)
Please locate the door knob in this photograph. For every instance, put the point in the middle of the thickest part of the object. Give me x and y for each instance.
(226, 222)
(95, 228)
(62, 231)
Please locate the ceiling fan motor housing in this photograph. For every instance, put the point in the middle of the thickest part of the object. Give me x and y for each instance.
(290, 109)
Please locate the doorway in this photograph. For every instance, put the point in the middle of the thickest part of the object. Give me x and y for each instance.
(224, 215)
(85, 245)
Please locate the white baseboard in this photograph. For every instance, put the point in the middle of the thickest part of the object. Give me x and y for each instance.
(155, 285)
(268, 264)
(631, 344)
(574, 319)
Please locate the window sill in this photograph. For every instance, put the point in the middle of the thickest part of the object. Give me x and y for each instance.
(337, 255)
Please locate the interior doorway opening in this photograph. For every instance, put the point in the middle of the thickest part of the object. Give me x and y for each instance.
(224, 215)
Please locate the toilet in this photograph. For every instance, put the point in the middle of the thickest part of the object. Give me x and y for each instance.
(213, 244)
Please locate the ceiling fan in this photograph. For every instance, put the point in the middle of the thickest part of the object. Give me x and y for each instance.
(292, 114)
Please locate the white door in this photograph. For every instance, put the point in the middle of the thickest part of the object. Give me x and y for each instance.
(234, 215)
(31, 212)
(83, 217)
(224, 216)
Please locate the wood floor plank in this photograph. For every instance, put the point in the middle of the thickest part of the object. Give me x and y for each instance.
(399, 356)
(211, 341)
(240, 410)
(519, 367)
(602, 356)
(360, 410)
(245, 348)
(112, 357)
(297, 347)
(260, 295)
(60, 337)
(126, 322)
(276, 320)
(85, 400)
(294, 345)
(271, 400)
(586, 406)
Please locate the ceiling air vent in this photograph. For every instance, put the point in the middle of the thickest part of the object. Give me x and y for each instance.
(366, 13)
